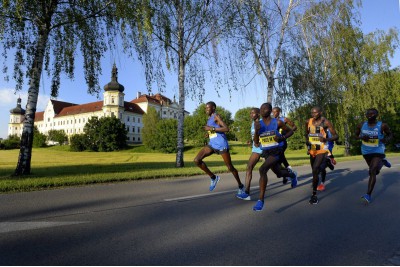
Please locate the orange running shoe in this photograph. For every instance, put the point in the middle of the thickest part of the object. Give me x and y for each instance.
(321, 187)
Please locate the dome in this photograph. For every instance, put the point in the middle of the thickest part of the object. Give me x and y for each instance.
(18, 109)
(114, 85)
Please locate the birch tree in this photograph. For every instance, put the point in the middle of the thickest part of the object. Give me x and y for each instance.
(185, 32)
(43, 36)
(261, 33)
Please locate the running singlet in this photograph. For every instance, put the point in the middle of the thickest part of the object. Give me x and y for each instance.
(267, 134)
(314, 133)
(217, 140)
(254, 149)
(373, 145)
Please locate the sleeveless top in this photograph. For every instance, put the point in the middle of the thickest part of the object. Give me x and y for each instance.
(373, 145)
(254, 148)
(217, 140)
(267, 134)
(314, 133)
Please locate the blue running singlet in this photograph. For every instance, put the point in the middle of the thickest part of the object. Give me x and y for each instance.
(217, 140)
(373, 145)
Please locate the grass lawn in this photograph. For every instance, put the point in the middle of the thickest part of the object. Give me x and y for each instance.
(58, 167)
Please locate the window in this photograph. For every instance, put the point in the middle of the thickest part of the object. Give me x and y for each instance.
(138, 129)
(138, 120)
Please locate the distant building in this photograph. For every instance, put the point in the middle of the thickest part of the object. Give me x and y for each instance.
(72, 118)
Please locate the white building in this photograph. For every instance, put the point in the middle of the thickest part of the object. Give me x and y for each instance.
(72, 118)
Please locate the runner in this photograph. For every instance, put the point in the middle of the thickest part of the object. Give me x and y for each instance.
(276, 112)
(374, 134)
(268, 138)
(316, 138)
(218, 144)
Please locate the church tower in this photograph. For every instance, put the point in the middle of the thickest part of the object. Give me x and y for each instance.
(17, 116)
(113, 104)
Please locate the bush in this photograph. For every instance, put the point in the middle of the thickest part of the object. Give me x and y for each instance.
(78, 142)
(12, 142)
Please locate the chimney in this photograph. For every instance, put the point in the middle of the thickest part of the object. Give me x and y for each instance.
(138, 94)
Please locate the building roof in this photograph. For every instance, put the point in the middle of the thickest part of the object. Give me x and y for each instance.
(157, 99)
(39, 116)
(18, 109)
(79, 109)
(114, 85)
(58, 106)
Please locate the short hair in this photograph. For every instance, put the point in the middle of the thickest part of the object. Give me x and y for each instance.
(211, 103)
(317, 108)
(268, 104)
(256, 110)
(374, 110)
(277, 108)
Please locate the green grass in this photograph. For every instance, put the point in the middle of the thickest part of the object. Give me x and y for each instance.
(58, 167)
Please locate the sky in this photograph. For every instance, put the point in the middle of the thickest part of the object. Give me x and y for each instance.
(375, 15)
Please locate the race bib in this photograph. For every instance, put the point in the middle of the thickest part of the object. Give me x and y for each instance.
(314, 139)
(267, 139)
(372, 142)
(212, 134)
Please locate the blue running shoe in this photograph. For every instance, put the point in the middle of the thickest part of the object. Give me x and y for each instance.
(214, 183)
(243, 196)
(258, 206)
(294, 180)
(367, 198)
(386, 163)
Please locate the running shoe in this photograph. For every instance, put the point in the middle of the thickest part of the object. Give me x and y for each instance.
(294, 179)
(313, 200)
(386, 163)
(243, 196)
(366, 198)
(321, 187)
(214, 183)
(258, 206)
(285, 180)
(241, 190)
(333, 161)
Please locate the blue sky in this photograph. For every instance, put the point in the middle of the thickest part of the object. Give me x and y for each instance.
(375, 14)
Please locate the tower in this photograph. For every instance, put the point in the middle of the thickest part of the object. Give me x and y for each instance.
(113, 104)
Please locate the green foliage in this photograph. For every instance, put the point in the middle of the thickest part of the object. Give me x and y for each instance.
(12, 142)
(149, 130)
(39, 139)
(242, 124)
(193, 126)
(58, 136)
(166, 136)
(78, 142)
(105, 134)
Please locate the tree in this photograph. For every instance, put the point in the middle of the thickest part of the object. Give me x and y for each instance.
(242, 124)
(105, 134)
(166, 135)
(39, 139)
(149, 130)
(182, 33)
(58, 136)
(43, 35)
(261, 34)
(334, 62)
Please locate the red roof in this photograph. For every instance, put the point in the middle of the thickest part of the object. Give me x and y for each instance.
(79, 109)
(39, 116)
(59, 105)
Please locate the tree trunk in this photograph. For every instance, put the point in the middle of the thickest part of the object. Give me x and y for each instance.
(181, 80)
(346, 140)
(25, 152)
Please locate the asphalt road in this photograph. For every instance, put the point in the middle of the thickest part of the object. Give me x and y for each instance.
(179, 222)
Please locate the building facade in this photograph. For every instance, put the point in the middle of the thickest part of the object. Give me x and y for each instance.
(71, 118)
